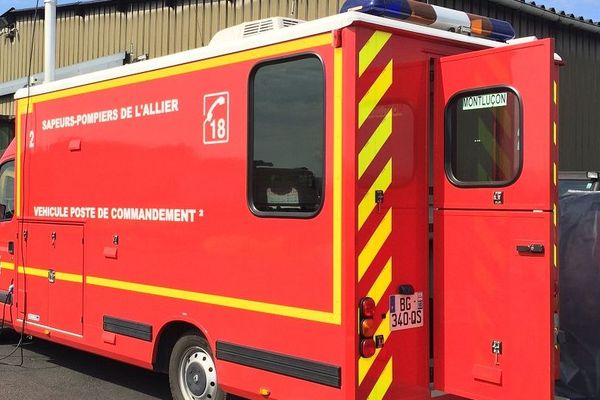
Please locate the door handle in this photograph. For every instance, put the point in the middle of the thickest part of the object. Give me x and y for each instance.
(11, 247)
(531, 249)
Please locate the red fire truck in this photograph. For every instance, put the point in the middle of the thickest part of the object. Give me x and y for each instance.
(251, 217)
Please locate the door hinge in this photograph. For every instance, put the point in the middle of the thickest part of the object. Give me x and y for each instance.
(379, 199)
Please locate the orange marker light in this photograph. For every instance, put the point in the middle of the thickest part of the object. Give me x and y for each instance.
(367, 327)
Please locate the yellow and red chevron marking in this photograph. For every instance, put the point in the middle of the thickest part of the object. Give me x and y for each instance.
(555, 213)
(375, 223)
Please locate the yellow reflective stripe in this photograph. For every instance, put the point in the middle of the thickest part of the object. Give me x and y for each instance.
(33, 271)
(555, 92)
(365, 364)
(20, 112)
(370, 100)
(375, 243)
(367, 204)
(554, 134)
(223, 301)
(43, 273)
(383, 383)
(555, 214)
(554, 172)
(381, 283)
(7, 265)
(296, 312)
(67, 277)
(374, 144)
(370, 50)
(555, 256)
(337, 184)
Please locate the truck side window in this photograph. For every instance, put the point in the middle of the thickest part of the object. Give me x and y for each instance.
(287, 135)
(483, 138)
(7, 190)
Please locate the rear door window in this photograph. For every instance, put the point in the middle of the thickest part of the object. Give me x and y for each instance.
(483, 130)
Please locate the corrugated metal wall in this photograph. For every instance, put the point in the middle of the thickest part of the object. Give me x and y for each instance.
(7, 105)
(156, 28)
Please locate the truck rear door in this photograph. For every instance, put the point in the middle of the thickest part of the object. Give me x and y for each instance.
(495, 275)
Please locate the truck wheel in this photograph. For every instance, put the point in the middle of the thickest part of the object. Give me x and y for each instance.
(192, 372)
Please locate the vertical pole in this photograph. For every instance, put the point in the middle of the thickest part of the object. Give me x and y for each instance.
(49, 39)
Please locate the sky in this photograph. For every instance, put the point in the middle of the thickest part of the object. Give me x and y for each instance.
(586, 8)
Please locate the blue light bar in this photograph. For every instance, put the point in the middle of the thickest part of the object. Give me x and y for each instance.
(435, 17)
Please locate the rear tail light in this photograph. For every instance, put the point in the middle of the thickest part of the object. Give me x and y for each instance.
(367, 348)
(367, 307)
(366, 310)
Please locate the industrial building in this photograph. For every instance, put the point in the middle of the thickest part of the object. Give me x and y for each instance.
(93, 35)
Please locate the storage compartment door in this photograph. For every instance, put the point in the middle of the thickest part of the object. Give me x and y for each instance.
(54, 273)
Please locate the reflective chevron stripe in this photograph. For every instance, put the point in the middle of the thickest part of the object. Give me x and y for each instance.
(375, 223)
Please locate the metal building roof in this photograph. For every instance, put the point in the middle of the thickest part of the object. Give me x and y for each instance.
(530, 7)
(539, 9)
(559, 12)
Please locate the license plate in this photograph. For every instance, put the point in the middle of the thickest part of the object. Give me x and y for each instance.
(406, 311)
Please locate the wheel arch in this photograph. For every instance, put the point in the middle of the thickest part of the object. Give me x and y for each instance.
(166, 339)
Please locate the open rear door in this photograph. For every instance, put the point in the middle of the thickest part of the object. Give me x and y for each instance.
(495, 275)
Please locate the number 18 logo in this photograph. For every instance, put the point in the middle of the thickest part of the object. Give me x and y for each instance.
(216, 118)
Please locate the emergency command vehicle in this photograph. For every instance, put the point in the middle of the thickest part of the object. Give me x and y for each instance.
(251, 217)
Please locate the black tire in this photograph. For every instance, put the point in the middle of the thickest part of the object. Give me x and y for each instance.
(192, 373)
(8, 334)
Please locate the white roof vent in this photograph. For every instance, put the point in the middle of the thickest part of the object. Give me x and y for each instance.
(249, 29)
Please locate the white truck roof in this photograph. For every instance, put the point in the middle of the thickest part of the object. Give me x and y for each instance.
(304, 29)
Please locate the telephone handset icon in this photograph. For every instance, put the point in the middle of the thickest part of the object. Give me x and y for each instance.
(220, 101)
(216, 118)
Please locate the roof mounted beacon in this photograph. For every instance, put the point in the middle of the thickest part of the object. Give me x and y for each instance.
(435, 17)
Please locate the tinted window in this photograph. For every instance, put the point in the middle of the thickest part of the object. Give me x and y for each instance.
(287, 137)
(483, 138)
(7, 133)
(7, 190)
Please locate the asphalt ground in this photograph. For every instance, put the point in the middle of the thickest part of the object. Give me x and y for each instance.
(51, 371)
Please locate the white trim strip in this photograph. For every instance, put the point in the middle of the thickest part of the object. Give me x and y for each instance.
(50, 328)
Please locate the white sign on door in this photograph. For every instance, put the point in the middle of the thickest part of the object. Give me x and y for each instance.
(216, 118)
